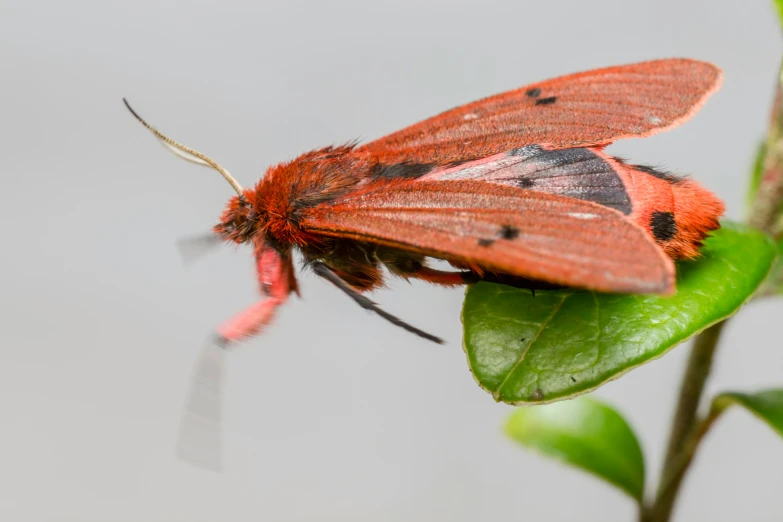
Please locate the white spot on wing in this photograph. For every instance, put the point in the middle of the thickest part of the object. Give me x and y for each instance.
(470, 116)
(583, 215)
(654, 120)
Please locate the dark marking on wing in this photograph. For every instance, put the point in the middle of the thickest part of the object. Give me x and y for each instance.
(525, 183)
(533, 93)
(663, 225)
(528, 151)
(546, 101)
(593, 108)
(485, 242)
(508, 232)
(577, 173)
(401, 170)
(658, 173)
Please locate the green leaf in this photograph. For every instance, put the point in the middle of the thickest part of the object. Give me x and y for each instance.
(587, 434)
(527, 349)
(755, 177)
(767, 405)
(779, 8)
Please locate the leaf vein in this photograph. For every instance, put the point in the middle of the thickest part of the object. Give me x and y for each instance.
(533, 341)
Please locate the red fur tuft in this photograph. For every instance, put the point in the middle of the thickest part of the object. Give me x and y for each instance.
(312, 179)
(696, 213)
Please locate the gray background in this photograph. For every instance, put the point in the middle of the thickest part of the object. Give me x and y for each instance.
(332, 415)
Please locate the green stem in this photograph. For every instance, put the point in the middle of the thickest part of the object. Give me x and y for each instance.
(670, 482)
(685, 435)
(767, 211)
(766, 206)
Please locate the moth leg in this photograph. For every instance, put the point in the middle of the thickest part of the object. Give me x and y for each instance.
(468, 277)
(444, 278)
(361, 277)
(194, 247)
(323, 270)
(410, 265)
(248, 322)
(276, 281)
(518, 282)
(200, 440)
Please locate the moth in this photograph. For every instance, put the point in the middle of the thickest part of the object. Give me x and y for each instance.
(513, 188)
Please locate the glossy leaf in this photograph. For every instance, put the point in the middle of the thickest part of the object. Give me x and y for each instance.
(527, 348)
(767, 405)
(587, 434)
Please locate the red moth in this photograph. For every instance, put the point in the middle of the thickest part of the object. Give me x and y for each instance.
(513, 188)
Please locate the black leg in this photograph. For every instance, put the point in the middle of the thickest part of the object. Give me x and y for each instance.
(515, 281)
(324, 271)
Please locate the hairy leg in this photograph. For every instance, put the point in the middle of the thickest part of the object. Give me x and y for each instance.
(442, 277)
(276, 281)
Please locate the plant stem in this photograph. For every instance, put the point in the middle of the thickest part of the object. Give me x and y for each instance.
(767, 212)
(684, 433)
(766, 206)
(687, 432)
(671, 484)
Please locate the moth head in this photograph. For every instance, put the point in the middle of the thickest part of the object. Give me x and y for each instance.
(239, 221)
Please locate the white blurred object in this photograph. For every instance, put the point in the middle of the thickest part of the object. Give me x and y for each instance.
(195, 247)
(201, 433)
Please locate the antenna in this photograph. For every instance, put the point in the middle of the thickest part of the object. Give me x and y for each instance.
(187, 153)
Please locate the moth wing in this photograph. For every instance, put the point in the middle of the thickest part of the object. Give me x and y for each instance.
(502, 229)
(581, 173)
(584, 109)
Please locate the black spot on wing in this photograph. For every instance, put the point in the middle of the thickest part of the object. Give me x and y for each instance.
(401, 170)
(533, 93)
(546, 101)
(663, 225)
(508, 232)
(485, 242)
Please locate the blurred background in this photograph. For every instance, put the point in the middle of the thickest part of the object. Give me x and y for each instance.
(333, 414)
